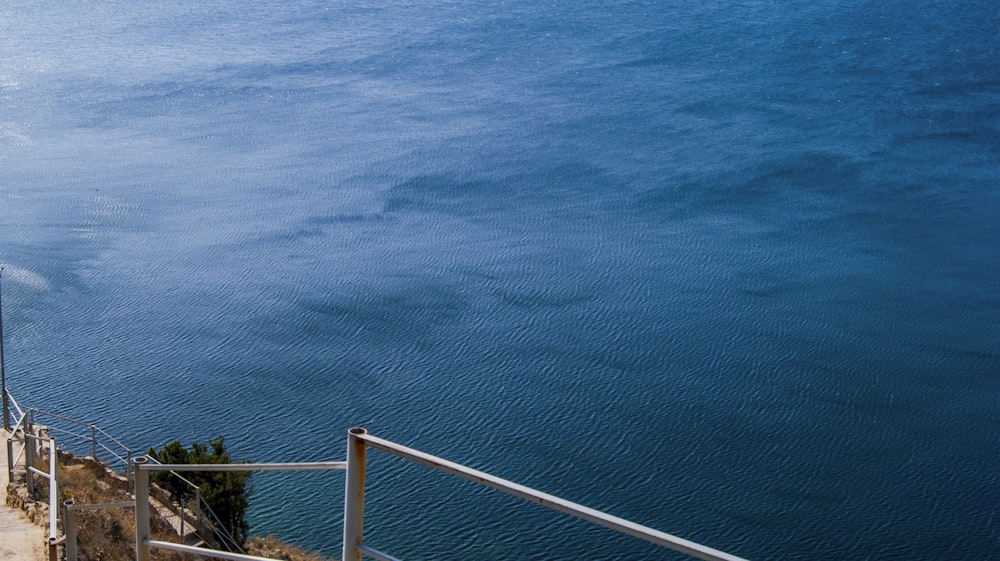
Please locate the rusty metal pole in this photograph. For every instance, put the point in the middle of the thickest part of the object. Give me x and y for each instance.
(141, 509)
(354, 496)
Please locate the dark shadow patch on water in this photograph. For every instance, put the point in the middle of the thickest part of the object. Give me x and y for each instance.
(568, 188)
(353, 218)
(536, 299)
(414, 311)
(803, 184)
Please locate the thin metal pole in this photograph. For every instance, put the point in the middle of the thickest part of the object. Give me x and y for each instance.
(53, 489)
(29, 462)
(93, 441)
(3, 374)
(141, 510)
(69, 526)
(354, 496)
(10, 457)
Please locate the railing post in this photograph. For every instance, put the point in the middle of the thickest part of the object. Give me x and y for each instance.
(10, 457)
(29, 462)
(354, 496)
(93, 442)
(141, 509)
(53, 490)
(129, 468)
(53, 549)
(69, 527)
(197, 505)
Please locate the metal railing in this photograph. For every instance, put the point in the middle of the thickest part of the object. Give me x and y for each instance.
(143, 469)
(69, 522)
(13, 458)
(354, 547)
(96, 443)
(52, 476)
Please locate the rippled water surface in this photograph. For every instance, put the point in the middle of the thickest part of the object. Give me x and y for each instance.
(730, 270)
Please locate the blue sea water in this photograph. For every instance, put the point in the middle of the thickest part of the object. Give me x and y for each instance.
(730, 270)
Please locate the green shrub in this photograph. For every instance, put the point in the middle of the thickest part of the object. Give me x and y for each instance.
(227, 493)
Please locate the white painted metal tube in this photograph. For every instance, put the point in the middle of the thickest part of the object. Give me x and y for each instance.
(105, 506)
(204, 552)
(141, 510)
(69, 527)
(307, 466)
(551, 501)
(376, 554)
(53, 490)
(354, 496)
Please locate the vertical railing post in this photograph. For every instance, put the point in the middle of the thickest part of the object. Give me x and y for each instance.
(129, 469)
(10, 457)
(29, 462)
(141, 509)
(69, 528)
(3, 375)
(93, 442)
(354, 496)
(197, 505)
(53, 489)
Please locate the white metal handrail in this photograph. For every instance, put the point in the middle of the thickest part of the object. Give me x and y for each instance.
(145, 465)
(92, 438)
(353, 547)
(52, 477)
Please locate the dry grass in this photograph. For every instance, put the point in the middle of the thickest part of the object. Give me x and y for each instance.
(109, 535)
(106, 535)
(273, 548)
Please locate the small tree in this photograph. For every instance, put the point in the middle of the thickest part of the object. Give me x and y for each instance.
(226, 492)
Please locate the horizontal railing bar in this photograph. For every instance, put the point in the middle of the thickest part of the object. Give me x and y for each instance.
(204, 552)
(551, 501)
(304, 466)
(64, 431)
(109, 437)
(60, 417)
(39, 472)
(376, 554)
(177, 475)
(110, 451)
(106, 506)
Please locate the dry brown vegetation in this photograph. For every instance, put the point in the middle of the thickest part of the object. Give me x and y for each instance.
(106, 535)
(109, 535)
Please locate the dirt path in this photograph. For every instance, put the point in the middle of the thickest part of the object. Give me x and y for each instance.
(20, 540)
